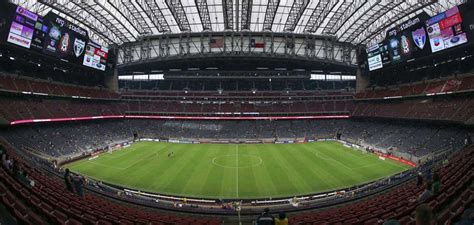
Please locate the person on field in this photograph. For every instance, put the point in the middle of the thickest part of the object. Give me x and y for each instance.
(281, 219)
(266, 218)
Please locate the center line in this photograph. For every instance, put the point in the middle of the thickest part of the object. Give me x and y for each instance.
(237, 169)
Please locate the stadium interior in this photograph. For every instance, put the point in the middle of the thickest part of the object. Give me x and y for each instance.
(245, 112)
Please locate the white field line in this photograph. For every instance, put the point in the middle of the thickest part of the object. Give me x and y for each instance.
(317, 154)
(100, 164)
(237, 170)
(127, 167)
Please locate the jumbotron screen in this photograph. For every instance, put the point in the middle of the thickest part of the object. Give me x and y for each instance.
(418, 37)
(55, 36)
(445, 30)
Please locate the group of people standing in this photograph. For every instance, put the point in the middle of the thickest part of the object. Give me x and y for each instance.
(74, 183)
(267, 219)
(16, 169)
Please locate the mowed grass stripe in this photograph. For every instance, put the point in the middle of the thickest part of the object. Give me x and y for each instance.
(265, 170)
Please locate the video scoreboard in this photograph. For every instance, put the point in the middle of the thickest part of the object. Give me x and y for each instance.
(420, 36)
(55, 36)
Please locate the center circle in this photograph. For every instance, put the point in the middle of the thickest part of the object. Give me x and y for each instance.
(231, 161)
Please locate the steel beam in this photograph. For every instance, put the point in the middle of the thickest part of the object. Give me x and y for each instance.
(154, 13)
(379, 27)
(296, 12)
(371, 16)
(95, 12)
(179, 14)
(319, 14)
(246, 14)
(270, 13)
(89, 21)
(130, 12)
(227, 10)
(203, 11)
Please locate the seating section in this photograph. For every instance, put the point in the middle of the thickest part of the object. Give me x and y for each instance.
(431, 87)
(40, 108)
(48, 202)
(459, 109)
(399, 203)
(43, 87)
(63, 139)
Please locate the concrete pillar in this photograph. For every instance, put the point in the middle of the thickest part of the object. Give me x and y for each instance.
(362, 80)
(111, 80)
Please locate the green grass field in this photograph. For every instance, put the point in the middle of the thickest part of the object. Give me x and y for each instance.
(239, 171)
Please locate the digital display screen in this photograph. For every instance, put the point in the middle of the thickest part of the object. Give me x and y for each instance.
(445, 30)
(421, 36)
(374, 56)
(95, 56)
(22, 28)
(54, 36)
(65, 40)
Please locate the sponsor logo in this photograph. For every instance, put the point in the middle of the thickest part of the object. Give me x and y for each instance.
(409, 24)
(22, 11)
(101, 53)
(419, 37)
(79, 46)
(55, 33)
(437, 44)
(435, 19)
(77, 29)
(19, 40)
(405, 45)
(434, 30)
(64, 43)
(60, 21)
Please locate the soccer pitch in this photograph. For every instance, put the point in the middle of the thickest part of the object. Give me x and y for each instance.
(237, 171)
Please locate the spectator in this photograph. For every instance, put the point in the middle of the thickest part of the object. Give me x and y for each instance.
(429, 175)
(436, 184)
(68, 180)
(391, 222)
(266, 218)
(22, 176)
(427, 193)
(282, 219)
(6, 162)
(419, 179)
(424, 215)
(78, 185)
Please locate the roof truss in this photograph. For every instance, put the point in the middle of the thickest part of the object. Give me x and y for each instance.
(120, 21)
